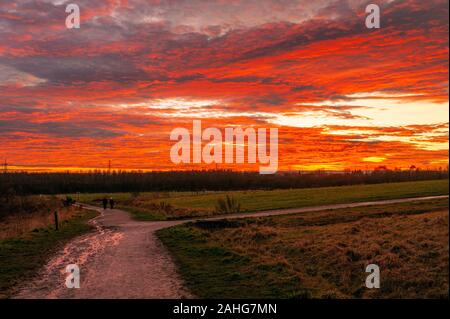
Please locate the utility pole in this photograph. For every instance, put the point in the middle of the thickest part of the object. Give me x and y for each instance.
(5, 167)
(109, 167)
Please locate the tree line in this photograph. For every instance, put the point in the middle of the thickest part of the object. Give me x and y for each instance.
(23, 183)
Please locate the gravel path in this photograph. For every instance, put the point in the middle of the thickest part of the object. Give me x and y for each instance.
(123, 258)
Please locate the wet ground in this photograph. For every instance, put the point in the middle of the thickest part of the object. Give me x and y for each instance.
(120, 259)
(123, 258)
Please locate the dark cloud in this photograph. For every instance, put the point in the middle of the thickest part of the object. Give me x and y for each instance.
(140, 41)
(248, 56)
(67, 70)
(58, 129)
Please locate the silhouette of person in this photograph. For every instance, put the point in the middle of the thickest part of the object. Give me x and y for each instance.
(111, 203)
(105, 203)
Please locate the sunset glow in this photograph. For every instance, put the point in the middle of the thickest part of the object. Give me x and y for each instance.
(342, 96)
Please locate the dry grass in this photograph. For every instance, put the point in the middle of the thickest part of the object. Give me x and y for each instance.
(25, 214)
(318, 255)
(411, 251)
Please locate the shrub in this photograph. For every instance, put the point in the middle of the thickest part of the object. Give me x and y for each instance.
(69, 201)
(165, 207)
(228, 205)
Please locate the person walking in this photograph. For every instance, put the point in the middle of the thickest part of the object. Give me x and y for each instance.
(111, 203)
(105, 203)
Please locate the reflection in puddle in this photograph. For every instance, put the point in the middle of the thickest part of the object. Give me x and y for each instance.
(51, 280)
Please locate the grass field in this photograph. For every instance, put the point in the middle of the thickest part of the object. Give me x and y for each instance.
(15, 225)
(176, 205)
(320, 254)
(22, 256)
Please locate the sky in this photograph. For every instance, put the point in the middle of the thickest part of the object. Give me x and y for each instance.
(341, 95)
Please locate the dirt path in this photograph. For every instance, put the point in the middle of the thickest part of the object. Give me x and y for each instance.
(123, 258)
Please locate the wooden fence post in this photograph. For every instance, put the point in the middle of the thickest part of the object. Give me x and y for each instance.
(56, 221)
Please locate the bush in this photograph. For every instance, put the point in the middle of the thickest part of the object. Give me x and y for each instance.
(11, 204)
(69, 201)
(228, 205)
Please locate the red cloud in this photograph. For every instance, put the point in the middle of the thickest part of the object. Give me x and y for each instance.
(82, 98)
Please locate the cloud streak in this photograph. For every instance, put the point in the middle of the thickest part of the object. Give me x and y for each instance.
(136, 69)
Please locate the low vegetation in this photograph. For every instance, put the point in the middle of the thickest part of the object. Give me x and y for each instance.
(227, 205)
(318, 255)
(178, 205)
(28, 235)
(22, 214)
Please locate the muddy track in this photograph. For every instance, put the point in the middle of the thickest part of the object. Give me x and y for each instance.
(123, 258)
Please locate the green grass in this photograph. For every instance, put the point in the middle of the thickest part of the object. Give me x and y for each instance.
(191, 204)
(317, 255)
(22, 257)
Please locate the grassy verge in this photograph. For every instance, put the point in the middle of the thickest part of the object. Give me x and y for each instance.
(317, 255)
(172, 205)
(21, 257)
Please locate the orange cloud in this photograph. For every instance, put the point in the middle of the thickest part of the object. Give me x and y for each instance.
(341, 95)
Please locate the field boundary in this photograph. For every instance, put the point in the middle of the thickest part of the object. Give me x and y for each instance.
(289, 211)
(284, 211)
